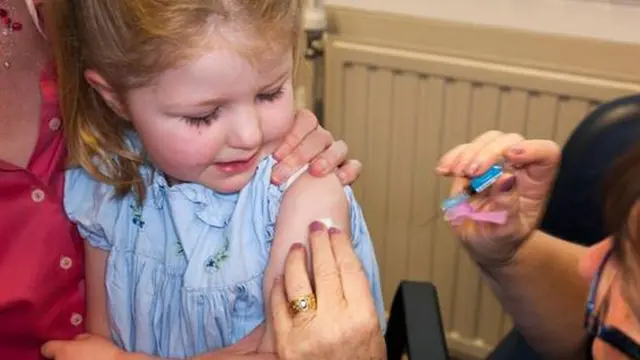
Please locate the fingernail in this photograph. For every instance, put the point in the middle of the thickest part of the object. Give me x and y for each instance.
(321, 165)
(508, 184)
(282, 173)
(316, 226)
(297, 246)
(334, 231)
(341, 177)
(275, 179)
(516, 151)
(473, 168)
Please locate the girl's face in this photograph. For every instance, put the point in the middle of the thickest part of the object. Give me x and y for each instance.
(212, 120)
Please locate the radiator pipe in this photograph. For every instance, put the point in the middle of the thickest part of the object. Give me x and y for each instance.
(315, 27)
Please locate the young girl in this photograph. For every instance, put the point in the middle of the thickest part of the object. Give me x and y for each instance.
(173, 109)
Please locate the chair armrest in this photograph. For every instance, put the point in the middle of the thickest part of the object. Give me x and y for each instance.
(415, 323)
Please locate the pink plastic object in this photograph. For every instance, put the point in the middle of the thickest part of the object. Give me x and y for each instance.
(458, 213)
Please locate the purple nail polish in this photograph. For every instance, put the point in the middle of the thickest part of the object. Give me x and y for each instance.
(334, 231)
(297, 246)
(316, 226)
(508, 184)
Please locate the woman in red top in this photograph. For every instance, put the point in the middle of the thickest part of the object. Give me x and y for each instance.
(41, 255)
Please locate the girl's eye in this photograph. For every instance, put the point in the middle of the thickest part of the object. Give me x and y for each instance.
(203, 120)
(272, 96)
(207, 119)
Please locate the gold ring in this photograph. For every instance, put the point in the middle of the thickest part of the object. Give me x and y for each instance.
(303, 304)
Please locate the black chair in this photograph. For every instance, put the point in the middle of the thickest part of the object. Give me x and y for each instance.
(415, 325)
(574, 212)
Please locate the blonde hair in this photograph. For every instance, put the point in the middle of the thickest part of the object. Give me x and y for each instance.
(129, 42)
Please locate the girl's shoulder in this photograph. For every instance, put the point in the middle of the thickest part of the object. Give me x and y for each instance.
(87, 203)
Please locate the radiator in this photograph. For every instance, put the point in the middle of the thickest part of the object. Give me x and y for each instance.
(399, 109)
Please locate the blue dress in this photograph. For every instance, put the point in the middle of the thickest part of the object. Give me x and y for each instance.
(185, 269)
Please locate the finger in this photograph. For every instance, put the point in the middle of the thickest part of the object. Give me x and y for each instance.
(355, 286)
(280, 315)
(501, 197)
(349, 172)
(467, 162)
(325, 271)
(330, 159)
(505, 184)
(296, 276)
(304, 123)
(82, 337)
(543, 153)
(494, 201)
(311, 146)
(490, 154)
(449, 160)
(457, 185)
(51, 348)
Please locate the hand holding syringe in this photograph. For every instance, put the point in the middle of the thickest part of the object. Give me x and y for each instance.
(457, 207)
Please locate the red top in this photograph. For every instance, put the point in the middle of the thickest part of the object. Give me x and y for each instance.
(41, 253)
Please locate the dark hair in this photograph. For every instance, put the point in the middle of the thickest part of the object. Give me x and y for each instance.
(622, 191)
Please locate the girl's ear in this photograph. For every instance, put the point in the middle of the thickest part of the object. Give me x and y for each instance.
(106, 91)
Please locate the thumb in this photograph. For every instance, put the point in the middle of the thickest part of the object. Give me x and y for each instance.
(82, 337)
(505, 184)
(51, 348)
(544, 154)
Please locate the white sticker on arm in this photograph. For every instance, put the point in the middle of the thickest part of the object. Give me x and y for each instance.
(294, 177)
(328, 222)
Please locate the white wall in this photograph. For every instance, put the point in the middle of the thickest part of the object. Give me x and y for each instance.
(598, 19)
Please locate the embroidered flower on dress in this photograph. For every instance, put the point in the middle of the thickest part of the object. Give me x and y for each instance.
(137, 216)
(180, 248)
(213, 263)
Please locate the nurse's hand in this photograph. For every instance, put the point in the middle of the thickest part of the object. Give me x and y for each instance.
(338, 320)
(523, 192)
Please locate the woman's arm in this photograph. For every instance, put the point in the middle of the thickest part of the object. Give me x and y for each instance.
(96, 296)
(545, 293)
